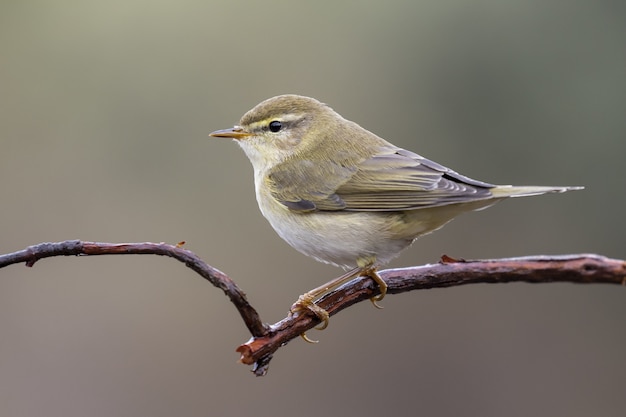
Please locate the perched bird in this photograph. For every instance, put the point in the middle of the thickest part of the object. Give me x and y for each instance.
(342, 195)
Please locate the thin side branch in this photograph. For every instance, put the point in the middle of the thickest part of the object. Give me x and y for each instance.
(258, 351)
(32, 254)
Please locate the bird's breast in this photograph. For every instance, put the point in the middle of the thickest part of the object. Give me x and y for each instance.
(335, 237)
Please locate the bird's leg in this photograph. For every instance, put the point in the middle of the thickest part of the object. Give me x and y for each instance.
(307, 301)
(368, 269)
(382, 285)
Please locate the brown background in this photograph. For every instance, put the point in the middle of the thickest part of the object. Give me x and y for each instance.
(105, 111)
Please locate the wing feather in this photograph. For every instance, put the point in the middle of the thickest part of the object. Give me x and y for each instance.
(393, 179)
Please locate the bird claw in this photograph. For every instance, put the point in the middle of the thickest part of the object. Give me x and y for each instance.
(375, 301)
(306, 302)
(306, 339)
(382, 286)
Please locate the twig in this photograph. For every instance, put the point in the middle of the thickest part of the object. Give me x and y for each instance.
(258, 351)
(582, 269)
(32, 254)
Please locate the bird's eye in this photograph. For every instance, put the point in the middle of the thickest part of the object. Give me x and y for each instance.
(275, 126)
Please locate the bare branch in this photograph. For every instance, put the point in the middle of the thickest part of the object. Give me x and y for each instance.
(32, 254)
(258, 351)
(582, 269)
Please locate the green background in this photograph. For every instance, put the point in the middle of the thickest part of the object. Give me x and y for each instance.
(105, 112)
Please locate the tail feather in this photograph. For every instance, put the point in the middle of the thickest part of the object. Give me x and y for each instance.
(502, 191)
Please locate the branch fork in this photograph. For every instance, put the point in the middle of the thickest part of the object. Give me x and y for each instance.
(267, 339)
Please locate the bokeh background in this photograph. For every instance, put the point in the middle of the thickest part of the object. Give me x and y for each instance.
(105, 111)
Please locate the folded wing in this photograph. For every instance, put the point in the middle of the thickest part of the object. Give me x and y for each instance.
(393, 179)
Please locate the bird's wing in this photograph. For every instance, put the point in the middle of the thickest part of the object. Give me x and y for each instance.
(391, 180)
(404, 180)
(298, 186)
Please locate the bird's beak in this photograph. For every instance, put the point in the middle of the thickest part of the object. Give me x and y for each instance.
(236, 132)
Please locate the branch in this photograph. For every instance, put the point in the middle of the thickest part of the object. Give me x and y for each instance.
(581, 269)
(32, 254)
(258, 351)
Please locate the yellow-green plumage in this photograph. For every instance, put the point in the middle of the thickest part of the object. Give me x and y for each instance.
(343, 195)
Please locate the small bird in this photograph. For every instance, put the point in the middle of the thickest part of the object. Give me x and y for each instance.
(342, 195)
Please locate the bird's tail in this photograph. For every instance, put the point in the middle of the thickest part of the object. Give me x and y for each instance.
(502, 191)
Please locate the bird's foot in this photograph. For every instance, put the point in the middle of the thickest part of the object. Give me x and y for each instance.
(382, 286)
(307, 302)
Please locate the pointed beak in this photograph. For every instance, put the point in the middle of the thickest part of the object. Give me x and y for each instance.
(236, 132)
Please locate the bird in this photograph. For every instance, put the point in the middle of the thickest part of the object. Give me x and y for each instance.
(342, 195)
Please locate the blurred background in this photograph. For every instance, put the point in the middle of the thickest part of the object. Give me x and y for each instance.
(105, 112)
